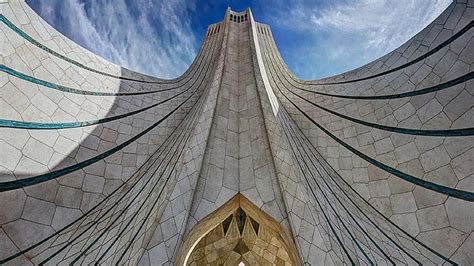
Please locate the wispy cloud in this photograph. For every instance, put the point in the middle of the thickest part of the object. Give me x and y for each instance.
(385, 24)
(347, 34)
(150, 37)
(316, 38)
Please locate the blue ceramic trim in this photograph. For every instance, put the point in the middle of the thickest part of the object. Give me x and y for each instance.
(456, 193)
(305, 139)
(362, 198)
(39, 125)
(11, 185)
(58, 87)
(96, 206)
(27, 37)
(460, 132)
(414, 61)
(45, 126)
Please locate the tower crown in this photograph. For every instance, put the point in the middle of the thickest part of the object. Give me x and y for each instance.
(237, 160)
(238, 17)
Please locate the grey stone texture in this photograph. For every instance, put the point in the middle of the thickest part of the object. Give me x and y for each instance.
(245, 124)
(426, 215)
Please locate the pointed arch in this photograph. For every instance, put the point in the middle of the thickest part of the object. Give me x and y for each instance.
(248, 224)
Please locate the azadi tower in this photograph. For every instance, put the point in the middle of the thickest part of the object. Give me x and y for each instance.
(237, 161)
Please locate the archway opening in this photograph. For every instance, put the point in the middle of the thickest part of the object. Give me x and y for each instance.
(238, 234)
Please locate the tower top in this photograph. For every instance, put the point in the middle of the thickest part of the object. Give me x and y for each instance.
(239, 160)
(238, 16)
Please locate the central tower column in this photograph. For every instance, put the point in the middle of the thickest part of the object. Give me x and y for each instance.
(237, 157)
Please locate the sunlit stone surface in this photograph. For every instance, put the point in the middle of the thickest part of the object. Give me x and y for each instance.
(100, 164)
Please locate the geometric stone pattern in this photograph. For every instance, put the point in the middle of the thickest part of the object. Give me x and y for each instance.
(102, 164)
(102, 191)
(427, 215)
(238, 157)
(171, 225)
(226, 246)
(238, 231)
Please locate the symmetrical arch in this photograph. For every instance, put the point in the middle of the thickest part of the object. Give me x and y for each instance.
(237, 231)
(100, 164)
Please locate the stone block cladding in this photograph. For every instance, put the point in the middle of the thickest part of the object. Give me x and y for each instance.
(100, 164)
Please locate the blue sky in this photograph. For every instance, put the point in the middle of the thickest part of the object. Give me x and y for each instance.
(317, 38)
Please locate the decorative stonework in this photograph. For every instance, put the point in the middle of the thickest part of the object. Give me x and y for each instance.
(102, 164)
(238, 231)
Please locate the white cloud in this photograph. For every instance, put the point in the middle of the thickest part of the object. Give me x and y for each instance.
(48, 11)
(153, 38)
(385, 23)
(343, 34)
(320, 38)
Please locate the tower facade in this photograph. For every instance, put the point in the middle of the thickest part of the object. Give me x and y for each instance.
(237, 160)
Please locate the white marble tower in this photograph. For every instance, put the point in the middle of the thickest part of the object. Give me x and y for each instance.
(100, 164)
